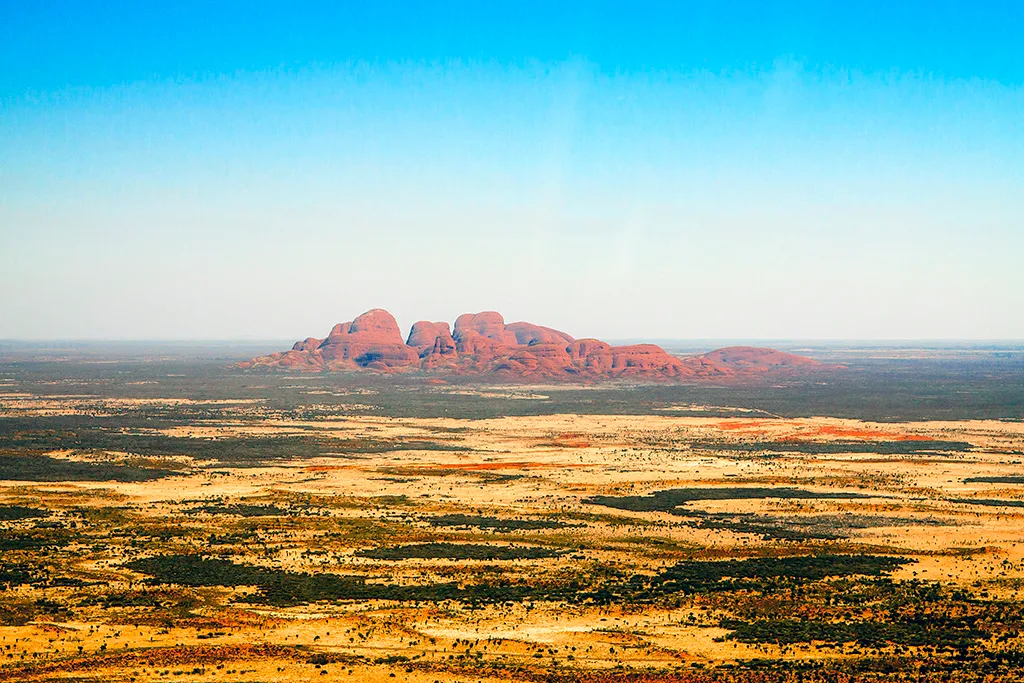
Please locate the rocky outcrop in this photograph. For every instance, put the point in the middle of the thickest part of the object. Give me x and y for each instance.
(488, 324)
(307, 344)
(424, 333)
(434, 344)
(483, 344)
(372, 340)
(757, 360)
(527, 333)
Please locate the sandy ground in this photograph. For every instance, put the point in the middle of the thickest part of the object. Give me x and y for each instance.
(538, 468)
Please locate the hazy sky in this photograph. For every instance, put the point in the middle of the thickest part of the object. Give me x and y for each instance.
(689, 170)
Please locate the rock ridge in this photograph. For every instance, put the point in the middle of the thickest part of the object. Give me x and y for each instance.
(484, 344)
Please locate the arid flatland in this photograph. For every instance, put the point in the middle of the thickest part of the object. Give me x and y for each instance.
(150, 536)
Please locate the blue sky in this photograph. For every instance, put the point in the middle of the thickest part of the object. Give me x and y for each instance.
(688, 170)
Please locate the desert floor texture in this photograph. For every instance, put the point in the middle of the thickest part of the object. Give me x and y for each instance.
(201, 540)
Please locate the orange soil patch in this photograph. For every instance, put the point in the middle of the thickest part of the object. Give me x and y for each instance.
(162, 656)
(754, 426)
(571, 440)
(758, 427)
(231, 618)
(508, 464)
(865, 434)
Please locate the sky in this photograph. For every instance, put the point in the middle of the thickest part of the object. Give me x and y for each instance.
(741, 170)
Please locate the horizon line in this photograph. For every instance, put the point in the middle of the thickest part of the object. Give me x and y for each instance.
(650, 340)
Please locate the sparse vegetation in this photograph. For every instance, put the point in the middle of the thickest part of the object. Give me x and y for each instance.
(155, 531)
(457, 551)
(493, 523)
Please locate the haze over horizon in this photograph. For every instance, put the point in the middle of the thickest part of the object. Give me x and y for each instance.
(775, 170)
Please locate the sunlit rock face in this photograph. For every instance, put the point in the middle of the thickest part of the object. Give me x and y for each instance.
(484, 344)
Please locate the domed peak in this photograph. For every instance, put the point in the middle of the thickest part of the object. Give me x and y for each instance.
(424, 333)
(467, 320)
(379, 324)
(488, 324)
(483, 344)
(339, 330)
(528, 333)
(307, 344)
(752, 358)
(581, 348)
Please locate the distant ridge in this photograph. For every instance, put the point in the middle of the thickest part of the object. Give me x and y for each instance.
(484, 344)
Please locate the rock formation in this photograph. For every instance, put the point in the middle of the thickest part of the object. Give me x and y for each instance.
(484, 344)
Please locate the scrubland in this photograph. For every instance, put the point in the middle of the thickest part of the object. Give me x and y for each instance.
(166, 538)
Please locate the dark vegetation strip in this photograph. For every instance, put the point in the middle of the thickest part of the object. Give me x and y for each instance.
(38, 539)
(24, 573)
(930, 631)
(284, 588)
(1010, 479)
(35, 467)
(105, 434)
(10, 513)
(669, 500)
(989, 502)
(240, 509)
(915, 613)
(758, 572)
(16, 574)
(768, 527)
(494, 523)
(457, 551)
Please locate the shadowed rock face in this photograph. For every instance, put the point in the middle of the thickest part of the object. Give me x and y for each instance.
(483, 344)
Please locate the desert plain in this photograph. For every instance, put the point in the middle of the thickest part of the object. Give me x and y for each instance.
(164, 526)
